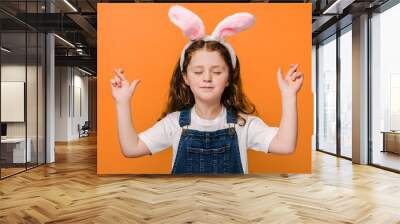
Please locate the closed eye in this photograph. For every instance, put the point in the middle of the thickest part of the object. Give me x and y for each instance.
(198, 73)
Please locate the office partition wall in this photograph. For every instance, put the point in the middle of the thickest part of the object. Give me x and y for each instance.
(22, 87)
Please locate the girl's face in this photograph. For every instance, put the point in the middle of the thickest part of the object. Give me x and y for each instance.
(207, 75)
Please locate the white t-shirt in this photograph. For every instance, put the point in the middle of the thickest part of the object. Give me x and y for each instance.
(255, 134)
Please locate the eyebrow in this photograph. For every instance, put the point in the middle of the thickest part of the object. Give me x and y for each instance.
(201, 66)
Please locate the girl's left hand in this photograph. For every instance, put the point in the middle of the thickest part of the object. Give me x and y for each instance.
(292, 82)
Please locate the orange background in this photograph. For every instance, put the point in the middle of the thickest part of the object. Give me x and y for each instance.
(141, 39)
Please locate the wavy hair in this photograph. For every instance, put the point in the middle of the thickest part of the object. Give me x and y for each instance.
(180, 96)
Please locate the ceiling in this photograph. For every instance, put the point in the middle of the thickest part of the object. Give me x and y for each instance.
(76, 22)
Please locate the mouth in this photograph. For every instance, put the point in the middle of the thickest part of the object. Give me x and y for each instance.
(207, 88)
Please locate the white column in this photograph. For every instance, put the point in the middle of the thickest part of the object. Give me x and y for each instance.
(50, 100)
(50, 92)
(360, 90)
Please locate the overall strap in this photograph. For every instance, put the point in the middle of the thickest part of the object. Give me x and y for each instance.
(184, 117)
(230, 117)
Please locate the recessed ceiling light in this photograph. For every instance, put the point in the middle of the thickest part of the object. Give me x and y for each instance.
(70, 5)
(84, 71)
(338, 6)
(64, 40)
(5, 50)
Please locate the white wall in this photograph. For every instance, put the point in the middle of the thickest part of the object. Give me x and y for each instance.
(80, 83)
(71, 93)
(62, 78)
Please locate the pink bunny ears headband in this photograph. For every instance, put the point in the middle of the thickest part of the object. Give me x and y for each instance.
(193, 28)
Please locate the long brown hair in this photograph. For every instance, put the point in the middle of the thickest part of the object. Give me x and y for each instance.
(180, 96)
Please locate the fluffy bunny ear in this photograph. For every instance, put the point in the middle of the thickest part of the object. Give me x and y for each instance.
(191, 24)
(233, 24)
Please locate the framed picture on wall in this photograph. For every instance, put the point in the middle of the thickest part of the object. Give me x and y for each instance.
(12, 101)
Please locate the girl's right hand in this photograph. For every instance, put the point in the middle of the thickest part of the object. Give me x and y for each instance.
(121, 90)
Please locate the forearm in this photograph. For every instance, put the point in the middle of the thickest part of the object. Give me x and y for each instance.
(127, 135)
(286, 138)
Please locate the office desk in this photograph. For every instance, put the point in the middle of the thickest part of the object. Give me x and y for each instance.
(15, 148)
(391, 141)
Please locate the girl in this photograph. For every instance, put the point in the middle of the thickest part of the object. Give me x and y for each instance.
(208, 120)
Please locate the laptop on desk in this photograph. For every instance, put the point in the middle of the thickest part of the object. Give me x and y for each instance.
(3, 131)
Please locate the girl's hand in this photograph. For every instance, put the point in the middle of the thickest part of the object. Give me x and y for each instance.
(292, 82)
(121, 90)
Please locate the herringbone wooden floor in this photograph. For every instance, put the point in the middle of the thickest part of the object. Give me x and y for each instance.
(69, 191)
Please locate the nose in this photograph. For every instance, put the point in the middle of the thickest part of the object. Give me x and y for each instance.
(207, 77)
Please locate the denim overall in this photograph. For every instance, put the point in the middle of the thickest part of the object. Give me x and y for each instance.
(207, 152)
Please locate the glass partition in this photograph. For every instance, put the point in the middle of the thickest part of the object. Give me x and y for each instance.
(22, 88)
(385, 89)
(327, 95)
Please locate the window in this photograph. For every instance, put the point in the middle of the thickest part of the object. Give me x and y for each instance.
(346, 92)
(327, 95)
(385, 88)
